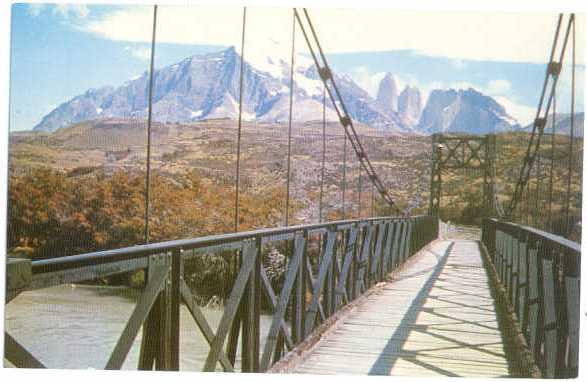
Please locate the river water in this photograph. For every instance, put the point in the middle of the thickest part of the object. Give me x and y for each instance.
(77, 326)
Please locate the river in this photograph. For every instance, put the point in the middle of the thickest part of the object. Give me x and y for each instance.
(77, 326)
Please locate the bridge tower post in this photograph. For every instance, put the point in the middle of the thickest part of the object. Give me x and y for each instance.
(435, 176)
(459, 151)
(489, 202)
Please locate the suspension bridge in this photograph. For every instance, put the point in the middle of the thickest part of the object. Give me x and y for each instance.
(392, 295)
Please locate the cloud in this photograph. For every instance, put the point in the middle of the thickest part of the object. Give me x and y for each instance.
(71, 11)
(508, 37)
(564, 86)
(65, 11)
(142, 53)
(458, 64)
(499, 87)
(366, 79)
(522, 113)
(35, 10)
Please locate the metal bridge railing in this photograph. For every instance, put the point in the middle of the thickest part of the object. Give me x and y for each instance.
(541, 276)
(351, 256)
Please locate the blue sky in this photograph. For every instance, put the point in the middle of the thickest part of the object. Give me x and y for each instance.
(60, 51)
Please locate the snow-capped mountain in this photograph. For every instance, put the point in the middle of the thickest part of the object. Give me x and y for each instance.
(464, 111)
(207, 86)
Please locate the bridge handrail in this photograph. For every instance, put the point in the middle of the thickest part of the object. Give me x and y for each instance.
(350, 257)
(572, 246)
(204, 243)
(540, 273)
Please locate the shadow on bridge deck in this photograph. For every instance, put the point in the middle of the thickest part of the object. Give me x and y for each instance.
(437, 318)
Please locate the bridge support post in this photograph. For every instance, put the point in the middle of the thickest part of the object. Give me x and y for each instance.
(435, 176)
(160, 339)
(462, 152)
(489, 175)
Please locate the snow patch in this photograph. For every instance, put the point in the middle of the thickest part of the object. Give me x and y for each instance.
(197, 113)
(310, 86)
(248, 116)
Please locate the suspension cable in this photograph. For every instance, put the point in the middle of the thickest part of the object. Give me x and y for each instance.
(149, 122)
(339, 107)
(291, 95)
(239, 131)
(552, 72)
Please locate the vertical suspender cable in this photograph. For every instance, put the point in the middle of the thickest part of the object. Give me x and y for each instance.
(149, 121)
(572, 132)
(239, 132)
(360, 190)
(321, 206)
(372, 201)
(551, 176)
(533, 147)
(339, 106)
(291, 95)
(538, 188)
(344, 178)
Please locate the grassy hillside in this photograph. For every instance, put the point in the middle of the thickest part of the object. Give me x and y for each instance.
(91, 170)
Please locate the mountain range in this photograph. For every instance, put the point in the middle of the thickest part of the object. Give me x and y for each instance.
(207, 87)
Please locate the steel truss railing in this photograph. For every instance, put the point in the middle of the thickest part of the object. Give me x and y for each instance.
(540, 273)
(353, 255)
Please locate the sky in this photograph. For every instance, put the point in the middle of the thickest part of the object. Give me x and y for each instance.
(59, 51)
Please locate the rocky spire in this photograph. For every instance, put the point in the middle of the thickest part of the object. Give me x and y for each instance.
(410, 105)
(387, 94)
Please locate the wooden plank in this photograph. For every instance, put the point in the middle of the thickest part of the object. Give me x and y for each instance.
(249, 257)
(406, 327)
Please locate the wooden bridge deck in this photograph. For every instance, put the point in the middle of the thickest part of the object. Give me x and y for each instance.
(437, 318)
